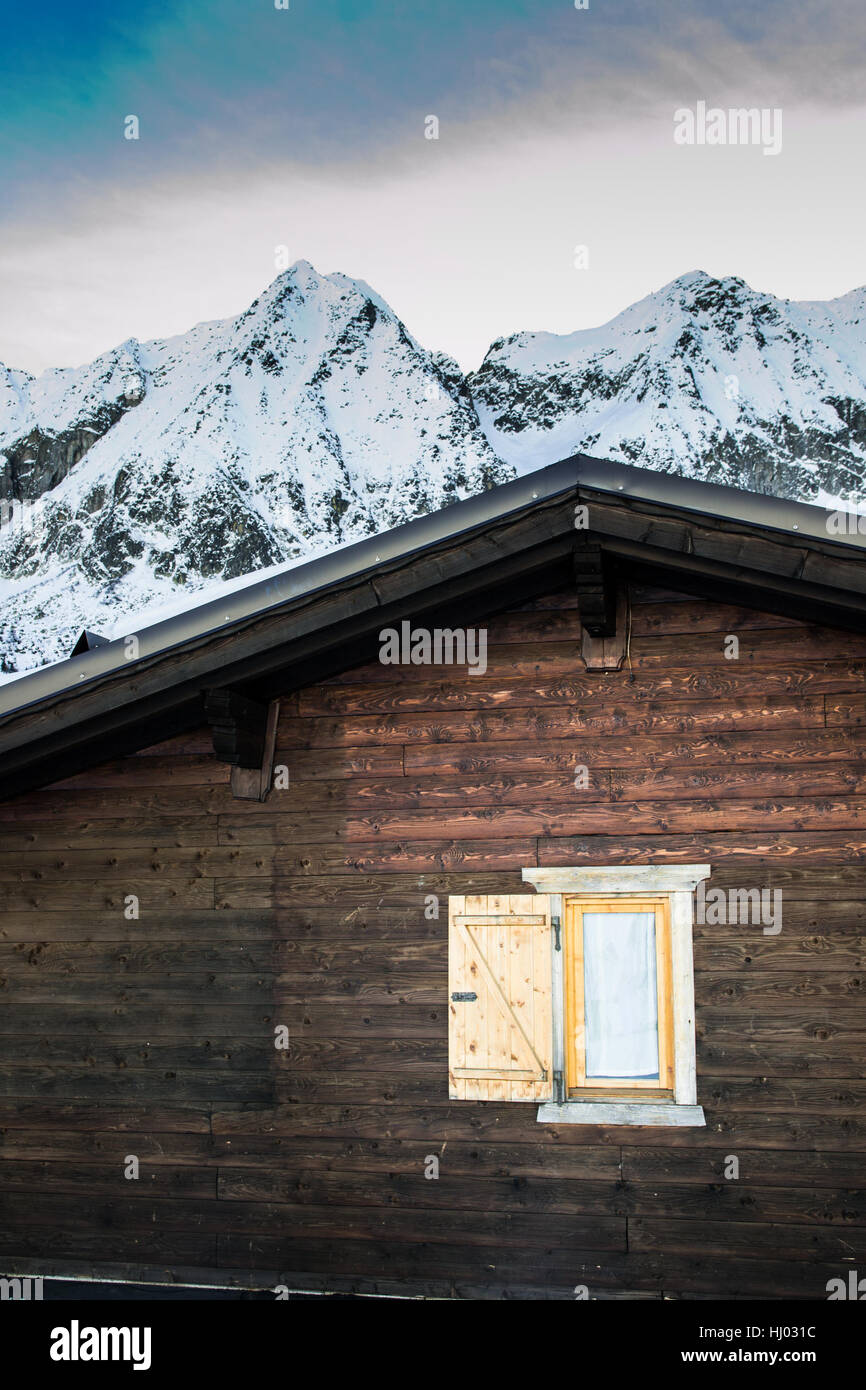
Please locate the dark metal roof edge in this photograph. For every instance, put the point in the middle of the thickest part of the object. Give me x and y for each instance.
(353, 561)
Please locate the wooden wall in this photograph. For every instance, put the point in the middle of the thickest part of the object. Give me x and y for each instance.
(155, 1037)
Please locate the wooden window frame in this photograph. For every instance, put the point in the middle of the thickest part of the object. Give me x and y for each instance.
(576, 1083)
(629, 1106)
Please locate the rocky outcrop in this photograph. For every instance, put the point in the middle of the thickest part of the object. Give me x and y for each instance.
(38, 462)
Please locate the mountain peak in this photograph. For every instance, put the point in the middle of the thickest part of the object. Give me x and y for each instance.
(302, 297)
(690, 279)
(314, 418)
(302, 275)
(705, 376)
(698, 291)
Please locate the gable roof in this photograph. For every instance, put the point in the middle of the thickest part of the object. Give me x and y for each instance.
(459, 564)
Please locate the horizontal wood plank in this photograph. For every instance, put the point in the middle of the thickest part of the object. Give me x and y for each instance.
(323, 910)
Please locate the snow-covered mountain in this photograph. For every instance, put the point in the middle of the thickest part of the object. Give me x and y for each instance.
(311, 419)
(706, 377)
(314, 418)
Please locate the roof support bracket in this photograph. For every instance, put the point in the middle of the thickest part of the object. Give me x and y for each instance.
(608, 653)
(596, 587)
(603, 604)
(244, 734)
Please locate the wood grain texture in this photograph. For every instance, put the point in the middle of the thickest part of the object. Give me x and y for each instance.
(324, 910)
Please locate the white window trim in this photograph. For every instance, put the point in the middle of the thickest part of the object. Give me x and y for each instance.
(678, 881)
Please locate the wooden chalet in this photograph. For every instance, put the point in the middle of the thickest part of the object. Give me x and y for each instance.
(537, 975)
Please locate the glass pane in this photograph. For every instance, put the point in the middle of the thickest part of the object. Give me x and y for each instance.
(619, 963)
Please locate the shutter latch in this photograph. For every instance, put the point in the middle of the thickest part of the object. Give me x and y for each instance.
(468, 998)
(557, 926)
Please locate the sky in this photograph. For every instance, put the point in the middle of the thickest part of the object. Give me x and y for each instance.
(554, 196)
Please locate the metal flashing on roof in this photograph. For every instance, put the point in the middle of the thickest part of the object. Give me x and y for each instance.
(641, 485)
(88, 642)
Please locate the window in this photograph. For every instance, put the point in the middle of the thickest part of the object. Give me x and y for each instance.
(619, 1015)
(580, 996)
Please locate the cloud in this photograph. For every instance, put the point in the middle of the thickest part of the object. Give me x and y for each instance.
(306, 127)
(466, 243)
(238, 83)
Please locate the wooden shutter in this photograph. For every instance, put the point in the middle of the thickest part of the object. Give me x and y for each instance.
(500, 1026)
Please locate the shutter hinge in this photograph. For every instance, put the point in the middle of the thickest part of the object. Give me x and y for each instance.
(467, 998)
(557, 926)
(558, 1088)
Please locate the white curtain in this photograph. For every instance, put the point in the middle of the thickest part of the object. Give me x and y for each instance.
(619, 951)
